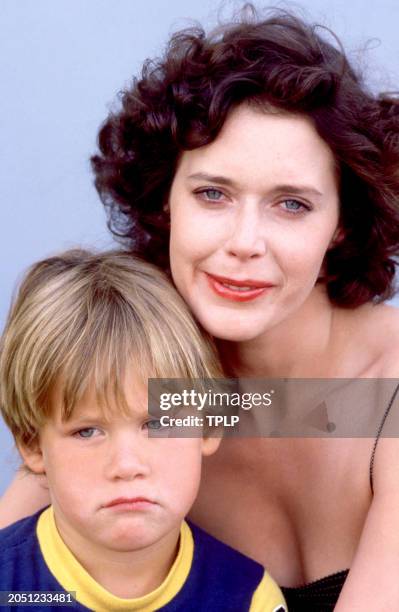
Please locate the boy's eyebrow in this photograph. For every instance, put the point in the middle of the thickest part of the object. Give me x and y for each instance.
(277, 189)
(106, 416)
(84, 418)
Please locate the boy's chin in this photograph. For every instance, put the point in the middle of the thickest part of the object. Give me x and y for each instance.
(137, 538)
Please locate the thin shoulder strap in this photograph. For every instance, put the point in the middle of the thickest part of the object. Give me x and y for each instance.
(384, 418)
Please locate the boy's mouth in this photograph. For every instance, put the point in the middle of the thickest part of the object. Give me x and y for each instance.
(132, 503)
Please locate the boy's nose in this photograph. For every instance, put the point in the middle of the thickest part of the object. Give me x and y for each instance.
(128, 460)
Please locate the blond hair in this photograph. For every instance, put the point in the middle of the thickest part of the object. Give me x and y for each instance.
(82, 317)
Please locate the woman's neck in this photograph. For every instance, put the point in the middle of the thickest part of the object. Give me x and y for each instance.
(302, 346)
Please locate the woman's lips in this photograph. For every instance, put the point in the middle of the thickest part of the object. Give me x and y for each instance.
(237, 291)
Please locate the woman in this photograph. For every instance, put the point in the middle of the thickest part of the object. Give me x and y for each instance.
(276, 172)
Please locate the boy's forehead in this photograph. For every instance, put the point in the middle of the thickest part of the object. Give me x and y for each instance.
(129, 399)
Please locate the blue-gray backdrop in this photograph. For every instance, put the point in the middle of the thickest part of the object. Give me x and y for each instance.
(62, 63)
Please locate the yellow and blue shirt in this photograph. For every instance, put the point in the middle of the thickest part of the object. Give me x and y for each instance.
(206, 576)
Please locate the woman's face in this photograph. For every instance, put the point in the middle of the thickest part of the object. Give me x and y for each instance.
(252, 216)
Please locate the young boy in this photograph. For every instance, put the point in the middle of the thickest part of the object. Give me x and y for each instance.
(85, 333)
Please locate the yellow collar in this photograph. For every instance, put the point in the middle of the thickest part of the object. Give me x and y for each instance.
(73, 577)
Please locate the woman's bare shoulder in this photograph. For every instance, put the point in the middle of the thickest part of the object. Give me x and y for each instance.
(381, 328)
(371, 338)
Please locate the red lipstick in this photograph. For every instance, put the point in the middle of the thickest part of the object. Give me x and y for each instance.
(237, 290)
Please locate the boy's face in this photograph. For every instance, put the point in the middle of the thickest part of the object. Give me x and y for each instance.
(112, 486)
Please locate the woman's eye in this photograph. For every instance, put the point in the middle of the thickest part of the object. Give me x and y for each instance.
(87, 432)
(294, 206)
(211, 195)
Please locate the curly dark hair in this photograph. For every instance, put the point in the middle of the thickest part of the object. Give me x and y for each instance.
(182, 100)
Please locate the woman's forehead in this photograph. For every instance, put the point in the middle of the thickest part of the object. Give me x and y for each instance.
(263, 146)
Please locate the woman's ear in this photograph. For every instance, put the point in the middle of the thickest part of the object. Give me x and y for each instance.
(32, 456)
(338, 237)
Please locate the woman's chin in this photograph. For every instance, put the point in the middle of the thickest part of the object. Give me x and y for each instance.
(241, 329)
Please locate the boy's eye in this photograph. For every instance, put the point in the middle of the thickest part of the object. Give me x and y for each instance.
(156, 429)
(154, 424)
(86, 432)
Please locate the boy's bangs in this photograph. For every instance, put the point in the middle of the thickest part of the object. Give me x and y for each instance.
(120, 346)
(106, 364)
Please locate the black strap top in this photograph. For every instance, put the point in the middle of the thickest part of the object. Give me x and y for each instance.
(378, 436)
(322, 595)
(318, 596)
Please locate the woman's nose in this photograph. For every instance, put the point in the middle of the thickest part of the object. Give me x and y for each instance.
(247, 239)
